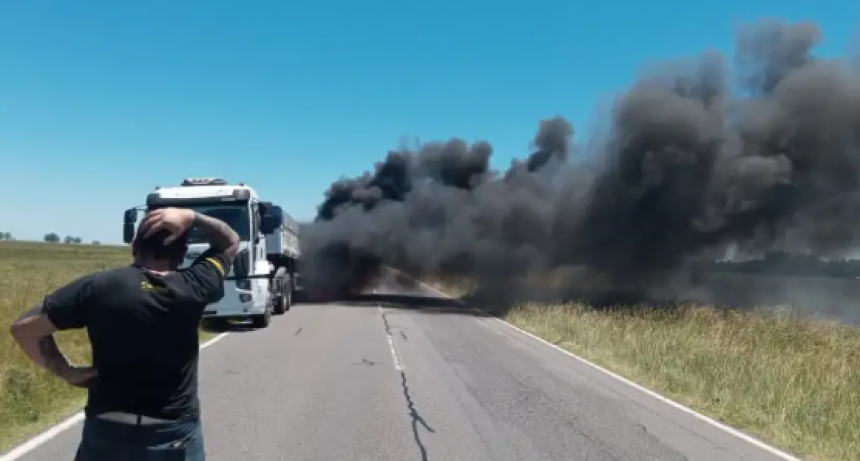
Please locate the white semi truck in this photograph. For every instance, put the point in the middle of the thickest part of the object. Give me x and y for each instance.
(264, 276)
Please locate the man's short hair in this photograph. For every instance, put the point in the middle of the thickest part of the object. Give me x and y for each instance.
(154, 247)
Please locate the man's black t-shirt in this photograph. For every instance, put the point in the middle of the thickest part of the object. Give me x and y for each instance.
(143, 331)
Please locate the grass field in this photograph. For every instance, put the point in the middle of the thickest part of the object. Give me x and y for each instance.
(792, 382)
(30, 398)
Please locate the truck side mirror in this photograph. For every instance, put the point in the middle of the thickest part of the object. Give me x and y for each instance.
(264, 208)
(129, 219)
(127, 232)
(268, 224)
(130, 216)
(272, 219)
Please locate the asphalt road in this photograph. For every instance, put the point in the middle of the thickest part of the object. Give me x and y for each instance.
(364, 382)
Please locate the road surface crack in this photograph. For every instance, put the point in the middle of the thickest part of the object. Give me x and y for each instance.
(410, 404)
(385, 322)
(416, 418)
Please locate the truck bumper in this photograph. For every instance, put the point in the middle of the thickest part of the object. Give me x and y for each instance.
(235, 305)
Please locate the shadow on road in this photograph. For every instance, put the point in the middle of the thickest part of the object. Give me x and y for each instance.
(397, 290)
(498, 299)
(427, 303)
(228, 327)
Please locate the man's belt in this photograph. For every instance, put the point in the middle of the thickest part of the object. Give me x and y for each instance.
(131, 418)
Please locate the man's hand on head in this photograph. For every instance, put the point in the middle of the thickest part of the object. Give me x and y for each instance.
(174, 220)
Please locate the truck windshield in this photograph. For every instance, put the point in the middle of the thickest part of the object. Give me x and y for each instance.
(235, 215)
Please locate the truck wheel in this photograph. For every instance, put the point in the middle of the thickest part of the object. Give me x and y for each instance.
(278, 307)
(287, 296)
(263, 320)
(281, 304)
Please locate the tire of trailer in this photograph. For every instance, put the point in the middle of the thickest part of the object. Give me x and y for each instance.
(281, 304)
(287, 295)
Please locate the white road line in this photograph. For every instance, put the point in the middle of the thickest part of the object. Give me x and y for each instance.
(758, 443)
(398, 365)
(392, 347)
(59, 428)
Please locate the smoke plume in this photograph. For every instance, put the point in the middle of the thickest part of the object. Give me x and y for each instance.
(755, 154)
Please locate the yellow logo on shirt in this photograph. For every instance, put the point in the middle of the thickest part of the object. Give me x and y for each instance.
(147, 286)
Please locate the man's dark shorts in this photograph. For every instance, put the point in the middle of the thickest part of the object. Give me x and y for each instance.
(111, 441)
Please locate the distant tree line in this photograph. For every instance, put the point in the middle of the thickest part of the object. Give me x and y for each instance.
(786, 264)
(53, 237)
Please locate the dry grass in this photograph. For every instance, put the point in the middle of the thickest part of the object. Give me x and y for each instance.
(792, 382)
(30, 398)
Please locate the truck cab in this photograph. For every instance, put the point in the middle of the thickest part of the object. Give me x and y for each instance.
(261, 280)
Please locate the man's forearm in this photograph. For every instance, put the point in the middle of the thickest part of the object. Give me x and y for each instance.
(53, 358)
(44, 351)
(222, 238)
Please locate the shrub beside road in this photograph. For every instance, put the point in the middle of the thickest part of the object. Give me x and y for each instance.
(792, 382)
(30, 398)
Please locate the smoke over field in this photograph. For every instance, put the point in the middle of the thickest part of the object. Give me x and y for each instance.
(758, 152)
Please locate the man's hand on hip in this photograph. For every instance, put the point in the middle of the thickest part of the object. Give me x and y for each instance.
(81, 377)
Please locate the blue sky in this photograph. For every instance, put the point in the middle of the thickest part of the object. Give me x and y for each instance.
(100, 100)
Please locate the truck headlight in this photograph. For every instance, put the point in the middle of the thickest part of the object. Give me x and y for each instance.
(243, 284)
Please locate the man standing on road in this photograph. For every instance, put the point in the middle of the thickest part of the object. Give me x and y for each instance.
(142, 321)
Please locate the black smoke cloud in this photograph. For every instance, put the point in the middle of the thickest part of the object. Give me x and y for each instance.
(697, 156)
